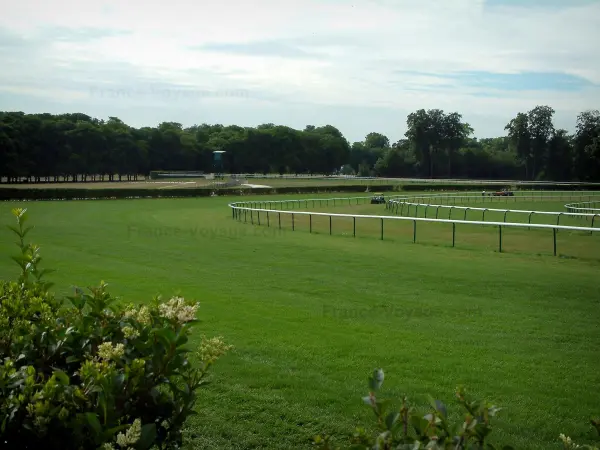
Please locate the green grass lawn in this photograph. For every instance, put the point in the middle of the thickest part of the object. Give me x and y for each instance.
(311, 315)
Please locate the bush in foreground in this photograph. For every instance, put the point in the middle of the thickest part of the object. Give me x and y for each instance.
(86, 373)
(409, 428)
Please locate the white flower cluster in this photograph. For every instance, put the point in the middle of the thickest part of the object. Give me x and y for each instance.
(211, 349)
(108, 352)
(177, 309)
(132, 435)
(130, 332)
(142, 315)
(568, 443)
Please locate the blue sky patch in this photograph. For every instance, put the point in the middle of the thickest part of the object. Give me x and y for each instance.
(524, 81)
(539, 3)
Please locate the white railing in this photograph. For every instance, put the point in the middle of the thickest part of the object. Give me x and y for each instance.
(579, 206)
(400, 202)
(241, 209)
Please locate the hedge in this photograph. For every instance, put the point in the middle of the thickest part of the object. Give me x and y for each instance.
(16, 194)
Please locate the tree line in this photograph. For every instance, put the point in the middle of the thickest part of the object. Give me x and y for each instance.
(47, 147)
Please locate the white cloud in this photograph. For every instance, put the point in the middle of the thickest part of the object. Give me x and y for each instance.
(369, 54)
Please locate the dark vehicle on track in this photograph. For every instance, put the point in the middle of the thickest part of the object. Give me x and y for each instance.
(377, 199)
(504, 193)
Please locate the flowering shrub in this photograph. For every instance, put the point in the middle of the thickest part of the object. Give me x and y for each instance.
(86, 373)
(412, 429)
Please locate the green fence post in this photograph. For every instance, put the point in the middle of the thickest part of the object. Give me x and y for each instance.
(500, 238)
(268, 222)
(554, 234)
(453, 233)
(558, 218)
(292, 221)
(414, 231)
(330, 225)
(353, 226)
(258, 214)
(450, 212)
(310, 223)
(245, 215)
(529, 220)
(466, 211)
(280, 221)
(251, 217)
(437, 210)
(593, 218)
(505, 213)
(426, 206)
(382, 229)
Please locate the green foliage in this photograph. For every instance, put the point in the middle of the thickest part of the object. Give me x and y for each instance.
(408, 427)
(89, 373)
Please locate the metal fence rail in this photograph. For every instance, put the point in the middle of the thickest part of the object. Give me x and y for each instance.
(240, 211)
(396, 204)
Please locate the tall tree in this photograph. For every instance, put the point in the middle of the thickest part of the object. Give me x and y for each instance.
(520, 140)
(541, 129)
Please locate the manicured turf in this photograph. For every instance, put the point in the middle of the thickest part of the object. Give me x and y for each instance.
(312, 315)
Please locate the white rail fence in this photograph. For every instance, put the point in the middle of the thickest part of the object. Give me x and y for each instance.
(250, 211)
(397, 205)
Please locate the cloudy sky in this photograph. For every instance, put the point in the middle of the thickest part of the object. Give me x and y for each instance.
(361, 66)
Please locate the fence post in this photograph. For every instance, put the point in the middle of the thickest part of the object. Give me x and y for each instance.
(251, 217)
(437, 210)
(466, 211)
(530, 214)
(558, 218)
(500, 238)
(353, 226)
(593, 218)
(292, 221)
(426, 206)
(554, 234)
(505, 213)
(330, 225)
(382, 229)
(245, 215)
(450, 212)
(453, 233)
(268, 223)
(310, 223)
(258, 214)
(280, 221)
(414, 231)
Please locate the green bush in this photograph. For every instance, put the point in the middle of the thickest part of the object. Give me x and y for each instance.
(87, 373)
(429, 428)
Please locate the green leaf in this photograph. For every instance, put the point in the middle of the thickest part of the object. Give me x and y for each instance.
(391, 419)
(93, 422)
(148, 436)
(376, 380)
(14, 229)
(27, 230)
(166, 335)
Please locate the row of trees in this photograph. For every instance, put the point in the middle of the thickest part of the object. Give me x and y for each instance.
(39, 147)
